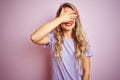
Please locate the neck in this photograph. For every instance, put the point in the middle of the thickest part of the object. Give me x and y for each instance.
(67, 34)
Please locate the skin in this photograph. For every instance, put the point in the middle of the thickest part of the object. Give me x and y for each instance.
(67, 30)
(40, 36)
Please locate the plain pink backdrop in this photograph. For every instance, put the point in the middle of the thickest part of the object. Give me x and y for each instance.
(20, 59)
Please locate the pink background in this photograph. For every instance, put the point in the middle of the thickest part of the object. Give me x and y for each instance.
(20, 59)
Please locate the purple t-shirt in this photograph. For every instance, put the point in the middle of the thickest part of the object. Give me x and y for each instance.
(66, 69)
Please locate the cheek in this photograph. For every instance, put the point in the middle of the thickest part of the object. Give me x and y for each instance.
(62, 25)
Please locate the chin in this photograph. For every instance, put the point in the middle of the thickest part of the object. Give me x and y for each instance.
(68, 28)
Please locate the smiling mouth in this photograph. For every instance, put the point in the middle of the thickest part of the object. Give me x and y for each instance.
(68, 23)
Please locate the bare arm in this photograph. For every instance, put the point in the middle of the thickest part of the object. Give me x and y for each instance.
(41, 32)
(40, 35)
(86, 69)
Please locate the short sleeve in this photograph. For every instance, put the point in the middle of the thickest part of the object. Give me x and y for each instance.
(51, 37)
(89, 52)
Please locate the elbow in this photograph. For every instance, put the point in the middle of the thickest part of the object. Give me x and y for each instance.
(33, 39)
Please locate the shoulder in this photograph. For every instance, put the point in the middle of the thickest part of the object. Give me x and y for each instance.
(89, 52)
(51, 35)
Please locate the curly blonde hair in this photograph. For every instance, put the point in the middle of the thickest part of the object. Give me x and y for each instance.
(78, 35)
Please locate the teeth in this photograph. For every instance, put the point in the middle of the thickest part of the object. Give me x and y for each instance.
(68, 23)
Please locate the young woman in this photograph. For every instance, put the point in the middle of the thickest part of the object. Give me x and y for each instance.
(70, 53)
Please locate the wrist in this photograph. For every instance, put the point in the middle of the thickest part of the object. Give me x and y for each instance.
(59, 20)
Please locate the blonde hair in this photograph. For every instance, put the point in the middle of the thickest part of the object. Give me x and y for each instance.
(77, 34)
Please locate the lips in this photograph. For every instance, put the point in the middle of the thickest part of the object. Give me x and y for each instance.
(68, 23)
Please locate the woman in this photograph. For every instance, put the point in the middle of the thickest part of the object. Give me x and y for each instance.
(70, 53)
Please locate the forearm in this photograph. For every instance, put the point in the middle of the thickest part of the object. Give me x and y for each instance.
(86, 76)
(45, 29)
(86, 69)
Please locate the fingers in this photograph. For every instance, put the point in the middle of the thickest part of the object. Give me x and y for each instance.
(75, 11)
(68, 16)
(62, 11)
(73, 16)
(72, 19)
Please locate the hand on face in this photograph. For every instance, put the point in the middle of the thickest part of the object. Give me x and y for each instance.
(67, 15)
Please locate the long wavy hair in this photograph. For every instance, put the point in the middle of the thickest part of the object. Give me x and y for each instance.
(78, 35)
